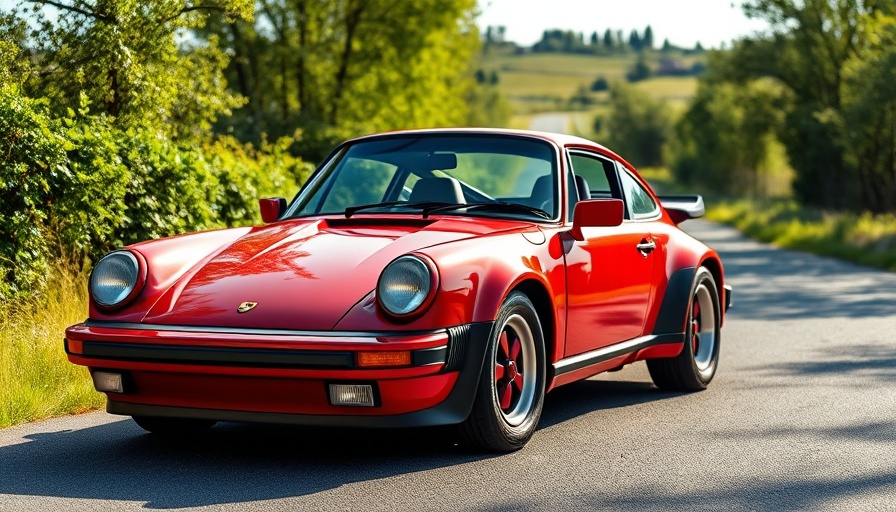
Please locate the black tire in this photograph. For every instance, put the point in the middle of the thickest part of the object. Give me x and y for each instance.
(173, 427)
(510, 394)
(694, 368)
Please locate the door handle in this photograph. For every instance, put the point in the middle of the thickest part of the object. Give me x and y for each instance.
(646, 246)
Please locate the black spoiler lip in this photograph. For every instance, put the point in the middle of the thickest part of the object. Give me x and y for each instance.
(683, 207)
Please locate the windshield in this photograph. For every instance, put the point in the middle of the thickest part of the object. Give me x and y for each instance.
(407, 174)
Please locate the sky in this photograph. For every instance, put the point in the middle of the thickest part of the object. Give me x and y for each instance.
(683, 22)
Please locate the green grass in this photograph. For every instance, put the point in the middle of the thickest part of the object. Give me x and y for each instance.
(862, 238)
(36, 379)
(865, 238)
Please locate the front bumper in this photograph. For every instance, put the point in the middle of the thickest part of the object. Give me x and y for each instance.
(282, 376)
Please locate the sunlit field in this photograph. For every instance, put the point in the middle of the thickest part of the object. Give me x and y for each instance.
(543, 82)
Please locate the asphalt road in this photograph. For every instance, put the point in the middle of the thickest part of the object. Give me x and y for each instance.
(799, 417)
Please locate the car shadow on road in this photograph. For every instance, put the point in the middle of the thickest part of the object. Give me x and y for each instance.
(587, 396)
(242, 463)
(232, 463)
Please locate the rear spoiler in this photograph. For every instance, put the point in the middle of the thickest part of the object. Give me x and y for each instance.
(683, 207)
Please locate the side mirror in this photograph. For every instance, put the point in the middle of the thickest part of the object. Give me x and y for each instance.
(272, 208)
(596, 213)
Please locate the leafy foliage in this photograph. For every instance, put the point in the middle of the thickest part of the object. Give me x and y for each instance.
(339, 68)
(834, 61)
(723, 140)
(638, 126)
(75, 186)
(122, 54)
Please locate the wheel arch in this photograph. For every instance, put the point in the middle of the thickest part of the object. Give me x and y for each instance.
(714, 265)
(544, 308)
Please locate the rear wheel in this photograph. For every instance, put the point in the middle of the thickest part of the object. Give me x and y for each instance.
(694, 368)
(173, 426)
(510, 395)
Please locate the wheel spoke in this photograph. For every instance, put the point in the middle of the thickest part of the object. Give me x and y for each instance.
(499, 371)
(502, 342)
(518, 381)
(515, 349)
(506, 396)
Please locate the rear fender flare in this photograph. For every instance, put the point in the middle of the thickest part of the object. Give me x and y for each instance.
(672, 316)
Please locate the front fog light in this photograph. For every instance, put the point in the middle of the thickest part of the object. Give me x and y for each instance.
(352, 394)
(108, 382)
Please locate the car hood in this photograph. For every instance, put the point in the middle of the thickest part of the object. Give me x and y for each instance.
(301, 274)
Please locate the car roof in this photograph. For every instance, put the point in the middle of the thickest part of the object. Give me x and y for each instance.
(558, 138)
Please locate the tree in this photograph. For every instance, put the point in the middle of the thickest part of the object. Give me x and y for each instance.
(634, 40)
(647, 40)
(601, 84)
(640, 71)
(869, 116)
(638, 126)
(124, 57)
(342, 67)
(608, 39)
(722, 141)
(809, 48)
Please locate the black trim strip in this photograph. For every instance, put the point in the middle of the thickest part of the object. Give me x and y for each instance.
(458, 338)
(728, 292)
(600, 355)
(428, 356)
(269, 358)
(253, 332)
(243, 357)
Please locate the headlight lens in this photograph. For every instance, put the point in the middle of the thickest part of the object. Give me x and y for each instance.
(404, 285)
(114, 278)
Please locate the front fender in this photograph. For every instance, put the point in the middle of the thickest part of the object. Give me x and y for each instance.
(475, 275)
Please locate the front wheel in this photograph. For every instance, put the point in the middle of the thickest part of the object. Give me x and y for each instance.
(694, 368)
(173, 427)
(510, 394)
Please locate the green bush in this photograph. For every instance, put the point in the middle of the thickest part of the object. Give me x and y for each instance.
(32, 168)
(75, 187)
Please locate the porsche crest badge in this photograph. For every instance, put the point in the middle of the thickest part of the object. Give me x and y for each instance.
(246, 306)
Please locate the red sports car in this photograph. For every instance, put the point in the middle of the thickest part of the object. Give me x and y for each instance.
(427, 277)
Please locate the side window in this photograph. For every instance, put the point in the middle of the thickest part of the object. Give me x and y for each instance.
(594, 171)
(639, 200)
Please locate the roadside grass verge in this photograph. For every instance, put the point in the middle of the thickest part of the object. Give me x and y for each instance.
(863, 238)
(36, 379)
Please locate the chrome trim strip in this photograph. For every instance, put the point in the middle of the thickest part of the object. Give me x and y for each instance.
(255, 332)
(579, 361)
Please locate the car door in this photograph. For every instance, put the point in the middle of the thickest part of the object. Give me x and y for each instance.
(609, 272)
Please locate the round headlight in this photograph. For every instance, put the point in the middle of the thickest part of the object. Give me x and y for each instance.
(405, 285)
(114, 278)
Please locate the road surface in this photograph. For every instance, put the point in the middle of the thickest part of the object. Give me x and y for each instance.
(801, 416)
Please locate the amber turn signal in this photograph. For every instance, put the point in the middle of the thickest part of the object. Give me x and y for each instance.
(383, 359)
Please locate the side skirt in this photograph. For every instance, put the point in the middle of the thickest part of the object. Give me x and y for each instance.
(580, 361)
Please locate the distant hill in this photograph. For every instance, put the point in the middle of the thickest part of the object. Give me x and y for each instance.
(536, 82)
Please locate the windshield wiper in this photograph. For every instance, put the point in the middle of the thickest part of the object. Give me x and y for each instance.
(351, 210)
(423, 205)
(497, 205)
